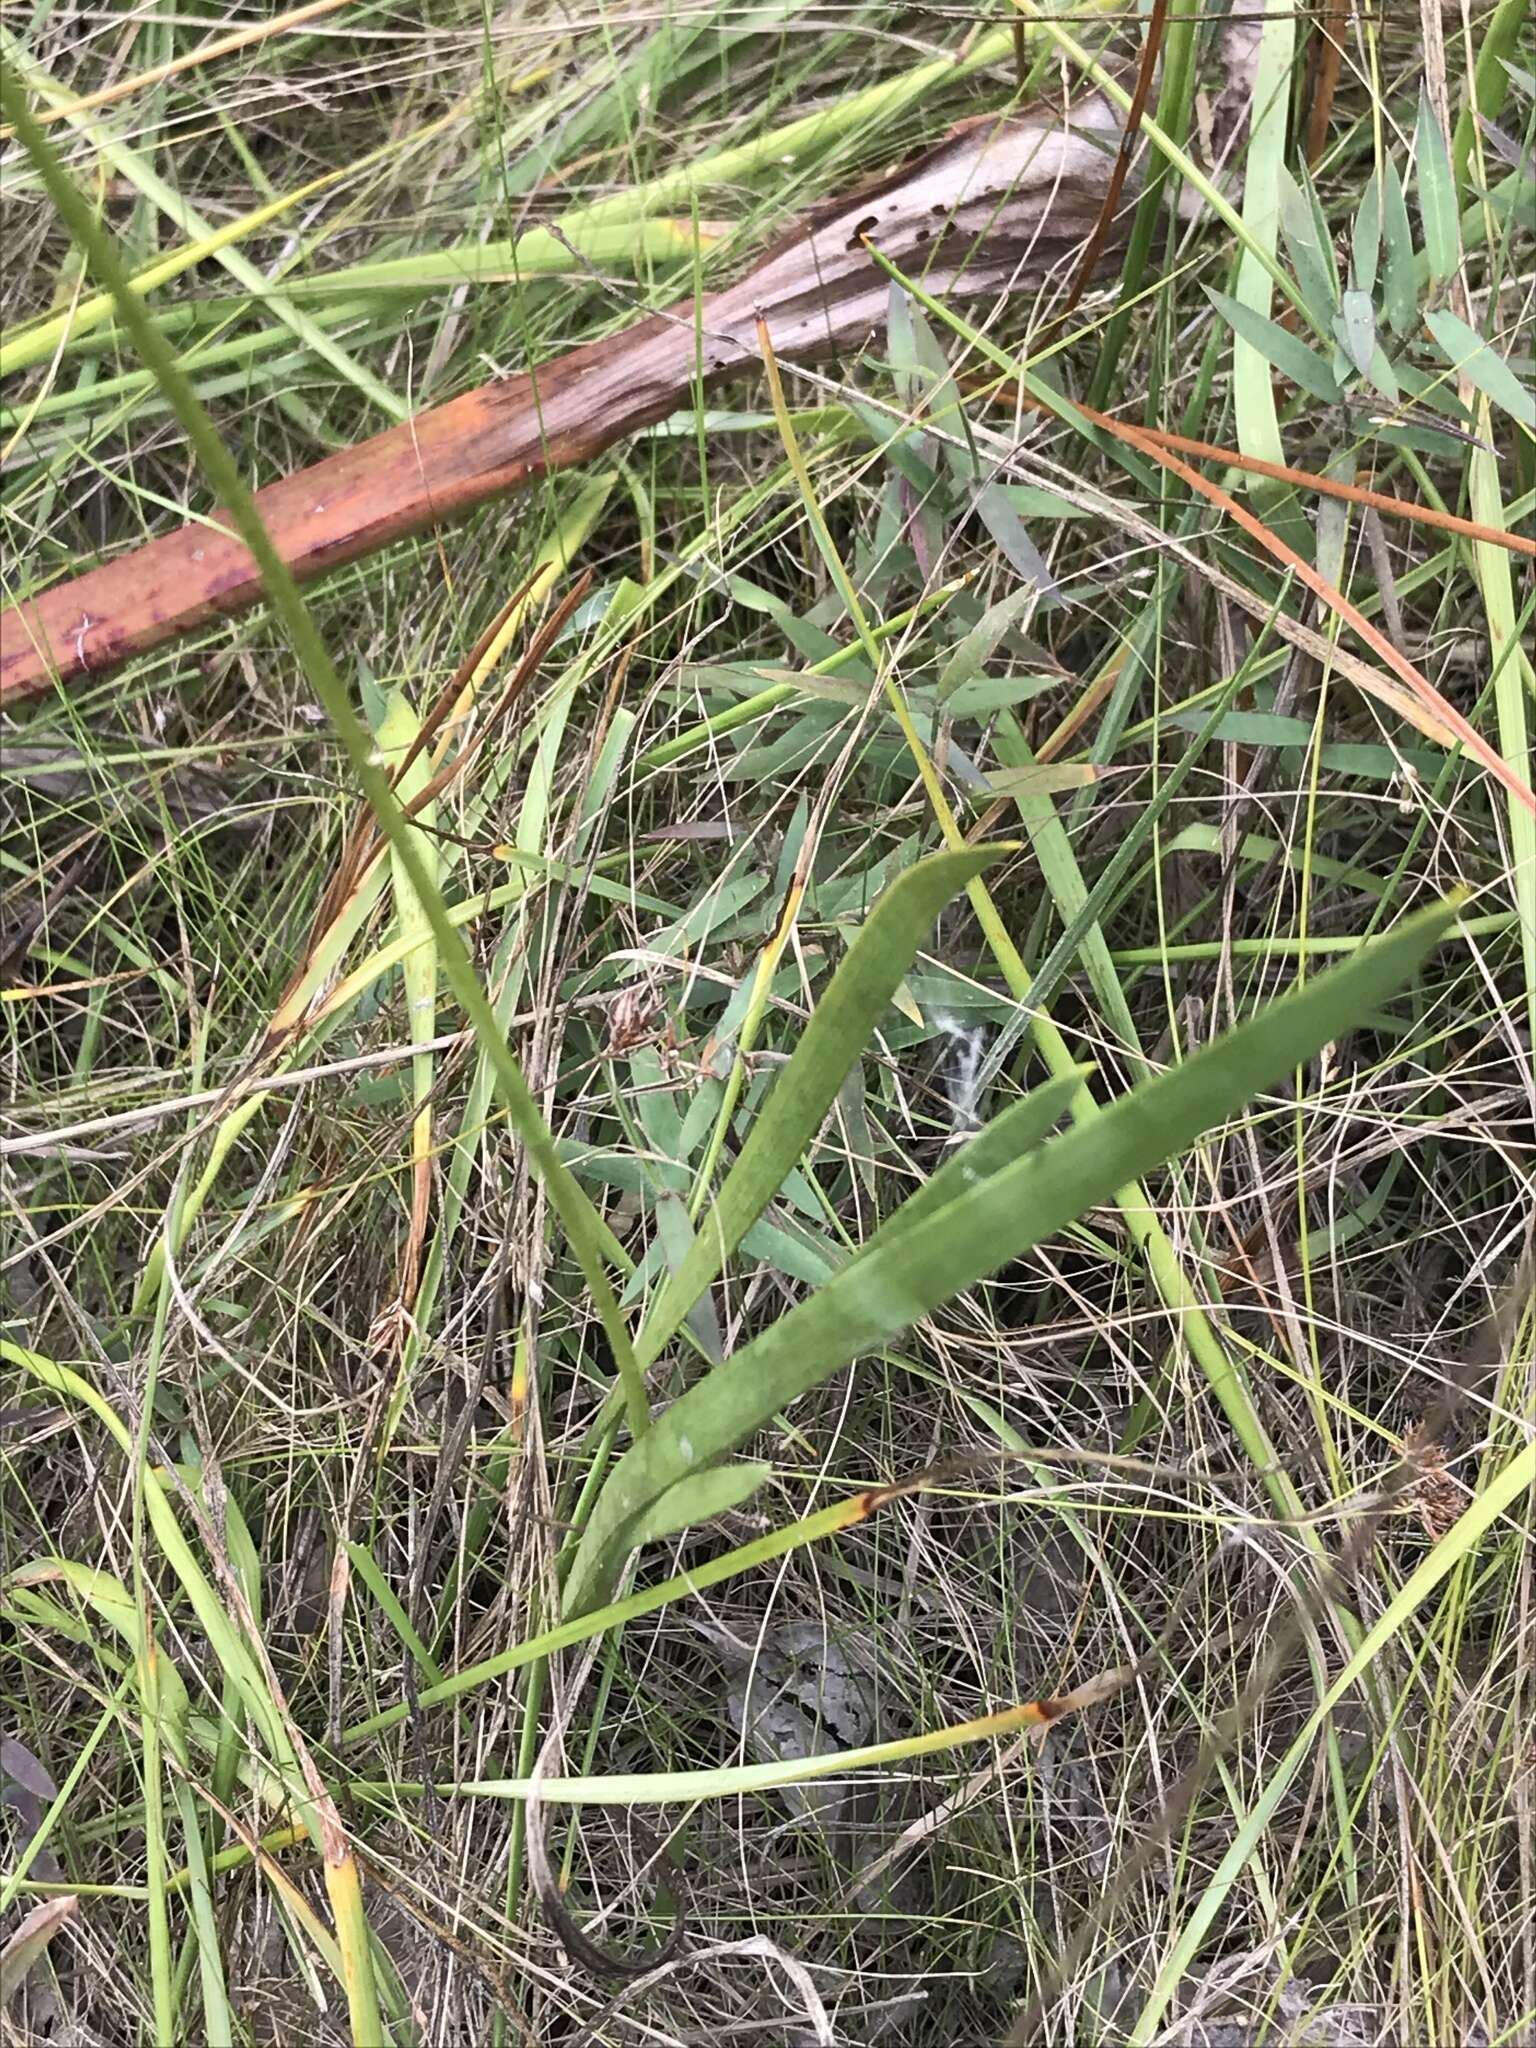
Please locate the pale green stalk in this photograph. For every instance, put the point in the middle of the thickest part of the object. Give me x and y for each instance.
(132, 166)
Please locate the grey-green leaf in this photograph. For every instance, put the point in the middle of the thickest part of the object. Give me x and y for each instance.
(1311, 250)
(675, 1235)
(1288, 353)
(1356, 329)
(909, 1269)
(699, 1498)
(1437, 196)
(1365, 242)
(982, 641)
(1476, 361)
(1007, 529)
(836, 1036)
(1382, 375)
(986, 694)
(1399, 286)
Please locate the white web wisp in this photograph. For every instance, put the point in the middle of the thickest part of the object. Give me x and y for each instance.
(965, 1046)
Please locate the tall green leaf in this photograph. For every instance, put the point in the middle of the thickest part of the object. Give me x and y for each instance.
(836, 1036)
(1399, 286)
(1365, 240)
(1437, 196)
(1311, 249)
(909, 1269)
(1473, 359)
(1283, 351)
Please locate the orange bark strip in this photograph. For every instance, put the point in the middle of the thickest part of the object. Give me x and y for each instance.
(1304, 479)
(432, 468)
(1419, 685)
(997, 207)
(1355, 494)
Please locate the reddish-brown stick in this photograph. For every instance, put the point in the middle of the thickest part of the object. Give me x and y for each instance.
(1000, 205)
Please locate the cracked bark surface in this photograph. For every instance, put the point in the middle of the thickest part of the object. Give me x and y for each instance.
(1001, 205)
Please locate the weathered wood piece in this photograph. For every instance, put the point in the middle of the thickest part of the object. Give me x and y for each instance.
(1000, 205)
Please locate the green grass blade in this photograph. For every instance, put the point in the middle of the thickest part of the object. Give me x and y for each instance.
(1458, 1543)
(571, 1203)
(1437, 196)
(891, 1285)
(1253, 388)
(218, 2027)
(132, 166)
(836, 1036)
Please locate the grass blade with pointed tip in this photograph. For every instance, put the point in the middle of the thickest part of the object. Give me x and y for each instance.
(1437, 196)
(906, 1272)
(836, 1036)
(1472, 357)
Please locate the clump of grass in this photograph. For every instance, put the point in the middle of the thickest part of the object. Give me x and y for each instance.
(382, 1317)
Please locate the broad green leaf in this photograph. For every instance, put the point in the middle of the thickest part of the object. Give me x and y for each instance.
(1031, 502)
(699, 1498)
(741, 678)
(1399, 285)
(727, 899)
(835, 1038)
(1437, 196)
(1287, 353)
(794, 1252)
(1249, 728)
(1007, 529)
(1501, 209)
(982, 641)
(995, 693)
(1355, 327)
(994, 1148)
(1477, 362)
(1365, 240)
(909, 1269)
(1310, 248)
(657, 1107)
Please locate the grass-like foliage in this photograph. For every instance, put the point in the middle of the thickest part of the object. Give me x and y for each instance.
(767, 1265)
